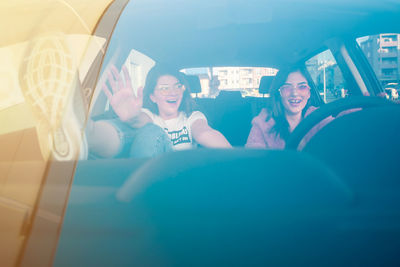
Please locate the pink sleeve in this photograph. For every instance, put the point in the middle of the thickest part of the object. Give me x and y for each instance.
(255, 139)
(256, 136)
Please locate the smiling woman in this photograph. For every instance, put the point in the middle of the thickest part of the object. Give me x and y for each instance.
(290, 104)
(158, 120)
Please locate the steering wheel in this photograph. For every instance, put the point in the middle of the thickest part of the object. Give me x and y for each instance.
(332, 109)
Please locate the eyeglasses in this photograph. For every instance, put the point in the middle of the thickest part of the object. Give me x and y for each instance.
(302, 88)
(168, 90)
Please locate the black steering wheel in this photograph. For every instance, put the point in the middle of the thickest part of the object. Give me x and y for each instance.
(332, 109)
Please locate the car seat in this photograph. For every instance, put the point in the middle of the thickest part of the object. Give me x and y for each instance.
(232, 117)
(258, 103)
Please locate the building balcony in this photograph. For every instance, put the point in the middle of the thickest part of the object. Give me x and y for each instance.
(392, 77)
(388, 43)
(246, 73)
(387, 65)
(389, 54)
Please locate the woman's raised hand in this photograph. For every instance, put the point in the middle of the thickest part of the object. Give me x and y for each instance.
(122, 98)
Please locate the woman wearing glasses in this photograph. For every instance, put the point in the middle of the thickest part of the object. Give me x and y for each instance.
(290, 104)
(159, 119)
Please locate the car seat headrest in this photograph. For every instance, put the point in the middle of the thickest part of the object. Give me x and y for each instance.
(194, 83)
(229, 95)
(265, 84)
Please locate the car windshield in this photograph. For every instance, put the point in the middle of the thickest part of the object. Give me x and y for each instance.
(199, 133)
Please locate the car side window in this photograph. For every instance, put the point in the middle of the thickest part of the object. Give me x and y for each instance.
(382, 52)
(327, 76)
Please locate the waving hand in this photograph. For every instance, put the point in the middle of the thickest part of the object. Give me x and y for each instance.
(122, 98)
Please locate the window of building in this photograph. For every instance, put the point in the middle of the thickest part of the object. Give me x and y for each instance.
(387, 72)
(389, 49)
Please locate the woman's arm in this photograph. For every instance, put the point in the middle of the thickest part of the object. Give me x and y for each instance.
(256, 138)
(103, 136)
(139, 121)
(207, 136)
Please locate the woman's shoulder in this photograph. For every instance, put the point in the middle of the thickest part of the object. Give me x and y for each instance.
(195, 115)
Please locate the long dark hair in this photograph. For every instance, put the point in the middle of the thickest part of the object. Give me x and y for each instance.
(277, 111)
(154, 74)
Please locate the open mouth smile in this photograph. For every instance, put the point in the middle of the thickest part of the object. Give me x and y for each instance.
(294, 101)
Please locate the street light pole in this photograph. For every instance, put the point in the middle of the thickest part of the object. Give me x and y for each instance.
(324, 66)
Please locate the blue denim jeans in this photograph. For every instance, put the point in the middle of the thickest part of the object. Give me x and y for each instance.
(147, 141)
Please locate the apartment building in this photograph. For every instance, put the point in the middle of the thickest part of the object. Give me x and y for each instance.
(382, 51)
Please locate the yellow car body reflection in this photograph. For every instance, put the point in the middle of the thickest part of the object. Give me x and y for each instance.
(51, 54)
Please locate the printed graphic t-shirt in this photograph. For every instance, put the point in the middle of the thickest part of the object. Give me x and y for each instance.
(179, 128)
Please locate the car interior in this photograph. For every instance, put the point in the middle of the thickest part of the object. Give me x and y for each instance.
(330, 199)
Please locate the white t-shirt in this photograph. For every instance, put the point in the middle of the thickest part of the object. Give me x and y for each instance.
(179, 128)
